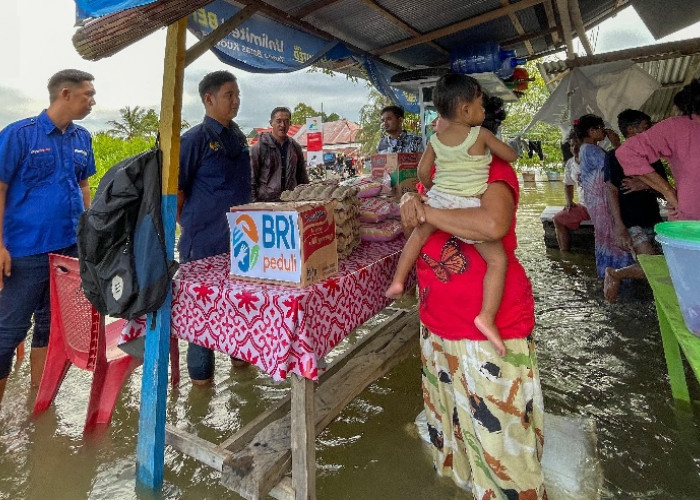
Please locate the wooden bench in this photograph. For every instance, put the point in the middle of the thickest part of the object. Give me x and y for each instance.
(582, 239)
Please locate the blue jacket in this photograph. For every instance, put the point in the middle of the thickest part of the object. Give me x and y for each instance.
(43, 168)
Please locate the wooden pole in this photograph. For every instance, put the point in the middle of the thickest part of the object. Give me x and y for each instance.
(150, 450)
(303, 439)
(656, 52)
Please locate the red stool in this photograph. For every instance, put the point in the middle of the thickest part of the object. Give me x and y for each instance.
(79, 337)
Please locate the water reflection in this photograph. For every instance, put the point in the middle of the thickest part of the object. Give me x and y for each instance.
(596, 361)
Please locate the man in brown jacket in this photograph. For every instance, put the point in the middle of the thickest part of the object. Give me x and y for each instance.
(277, 160)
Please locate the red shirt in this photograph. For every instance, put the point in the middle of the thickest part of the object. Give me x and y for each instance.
(450, 281)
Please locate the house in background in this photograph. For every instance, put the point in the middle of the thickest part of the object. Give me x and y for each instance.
(339, 137)
(255, 133)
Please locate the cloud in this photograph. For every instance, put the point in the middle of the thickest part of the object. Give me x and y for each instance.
(134, 76)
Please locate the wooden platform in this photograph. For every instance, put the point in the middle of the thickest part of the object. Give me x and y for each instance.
(582, 239)
(256, 461)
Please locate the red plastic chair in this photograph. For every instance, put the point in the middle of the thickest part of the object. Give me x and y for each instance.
(79, 337)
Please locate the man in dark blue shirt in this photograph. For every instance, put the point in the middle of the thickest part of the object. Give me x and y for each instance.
(215, 174)
(45, 162)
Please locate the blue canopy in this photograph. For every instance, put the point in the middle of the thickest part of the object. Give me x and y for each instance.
(262, 45)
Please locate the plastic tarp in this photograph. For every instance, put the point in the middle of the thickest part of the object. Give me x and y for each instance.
(601, 89)
(262, 45)
(99, 8)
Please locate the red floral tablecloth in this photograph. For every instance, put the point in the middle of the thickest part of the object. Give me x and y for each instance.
(280, 329)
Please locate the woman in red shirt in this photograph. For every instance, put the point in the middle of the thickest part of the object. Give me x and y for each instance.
(484, 411)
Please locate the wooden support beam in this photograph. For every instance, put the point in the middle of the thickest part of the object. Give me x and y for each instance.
(259, 466)
(401, 24)
(551, 21)
(567, 29)
(518, 27)
(666, 50)
(303, 439)
(577, 20)
(454, 28)
(529, 36)
(150, 449)
(206, 43)
(241, 438)
(201, 449)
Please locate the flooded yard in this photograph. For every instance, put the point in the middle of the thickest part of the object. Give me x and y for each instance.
(598, 361)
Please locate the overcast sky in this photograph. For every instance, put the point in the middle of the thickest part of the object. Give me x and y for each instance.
(35, 42)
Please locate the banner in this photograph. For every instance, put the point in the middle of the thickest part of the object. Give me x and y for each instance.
(261, 45)
(314, 140)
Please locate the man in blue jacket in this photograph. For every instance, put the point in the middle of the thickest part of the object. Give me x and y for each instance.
(215, 175)
(45, 163)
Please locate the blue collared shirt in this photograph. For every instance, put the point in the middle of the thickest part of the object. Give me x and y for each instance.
(215, 174)
(404, 143)
(43, 168)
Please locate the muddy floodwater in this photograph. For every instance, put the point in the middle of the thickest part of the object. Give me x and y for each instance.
(597, 361)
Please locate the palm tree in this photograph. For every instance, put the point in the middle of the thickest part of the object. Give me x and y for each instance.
(133, 123)
(138, 122)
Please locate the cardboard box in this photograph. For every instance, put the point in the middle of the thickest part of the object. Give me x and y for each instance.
(402, 168)
(290, 243)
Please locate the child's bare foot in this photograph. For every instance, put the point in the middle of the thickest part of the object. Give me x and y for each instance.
(611, 285)
(395, 291)
(488, 328)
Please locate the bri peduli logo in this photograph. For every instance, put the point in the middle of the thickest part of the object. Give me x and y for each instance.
(245, 252)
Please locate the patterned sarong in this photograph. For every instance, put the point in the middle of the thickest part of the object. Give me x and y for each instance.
(485, 415)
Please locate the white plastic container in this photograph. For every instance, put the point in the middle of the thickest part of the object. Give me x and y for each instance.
(681, 244)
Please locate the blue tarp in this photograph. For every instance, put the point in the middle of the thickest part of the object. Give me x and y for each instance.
(99, 8)
(261, 45)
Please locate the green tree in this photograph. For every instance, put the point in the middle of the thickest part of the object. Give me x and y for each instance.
(110, 150)
(137, 122)
(303, 111)
(370, 122)
(520, 113)
(133, 123)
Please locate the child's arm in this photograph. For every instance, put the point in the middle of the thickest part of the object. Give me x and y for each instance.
(497, 146)
(425, 166)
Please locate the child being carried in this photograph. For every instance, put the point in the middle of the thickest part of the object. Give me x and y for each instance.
(461, 151)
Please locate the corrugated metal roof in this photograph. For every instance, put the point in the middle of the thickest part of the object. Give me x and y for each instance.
(672, 74)
(402, 33)
(405, 34)
(334, 133)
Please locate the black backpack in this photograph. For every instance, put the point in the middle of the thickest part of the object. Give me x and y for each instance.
(121, 243)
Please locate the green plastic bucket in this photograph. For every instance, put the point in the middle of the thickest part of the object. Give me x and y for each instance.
(681, 244)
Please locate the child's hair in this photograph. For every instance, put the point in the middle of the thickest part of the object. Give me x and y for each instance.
(631, 118)
(494, 113)
(453, 89)
(586, 122)
(688, 99)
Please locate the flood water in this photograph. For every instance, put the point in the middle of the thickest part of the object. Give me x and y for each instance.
(597, 361)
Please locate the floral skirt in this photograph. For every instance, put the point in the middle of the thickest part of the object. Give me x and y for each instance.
(484, 415)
